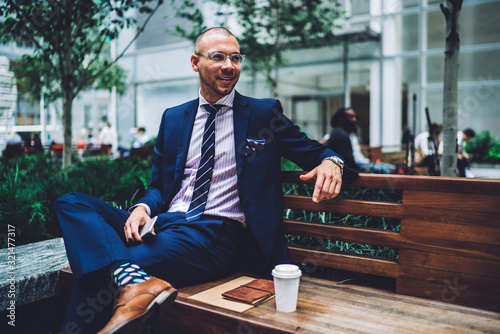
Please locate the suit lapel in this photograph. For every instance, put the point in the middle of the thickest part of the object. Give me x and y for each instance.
(186, 128)
(241, 113)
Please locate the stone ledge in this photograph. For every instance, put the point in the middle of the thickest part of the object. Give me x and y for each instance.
(36, 271)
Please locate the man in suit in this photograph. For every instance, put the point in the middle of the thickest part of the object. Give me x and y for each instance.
(206, 227)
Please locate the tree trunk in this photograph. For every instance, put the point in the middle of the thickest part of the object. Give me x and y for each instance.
(67, 85)
(67, 120)
(450, 92)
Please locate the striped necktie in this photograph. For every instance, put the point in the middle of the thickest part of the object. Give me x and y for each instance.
(206, 167)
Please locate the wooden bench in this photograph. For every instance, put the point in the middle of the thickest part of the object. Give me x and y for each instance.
(143, 152)
(446, 273)
(388, 154)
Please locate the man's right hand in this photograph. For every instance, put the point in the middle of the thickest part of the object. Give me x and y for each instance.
(137, 218)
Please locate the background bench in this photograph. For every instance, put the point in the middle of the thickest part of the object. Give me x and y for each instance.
(389, 154)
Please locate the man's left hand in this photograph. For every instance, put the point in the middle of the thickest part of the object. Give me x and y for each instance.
(328, 178)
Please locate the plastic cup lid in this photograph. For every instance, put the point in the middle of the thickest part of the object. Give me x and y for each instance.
(286, 271)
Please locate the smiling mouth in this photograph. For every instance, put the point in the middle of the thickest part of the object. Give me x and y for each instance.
(225, 79)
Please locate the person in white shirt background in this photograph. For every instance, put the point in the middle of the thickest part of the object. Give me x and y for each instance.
(108, 136)
(423, 147)
(140, 137)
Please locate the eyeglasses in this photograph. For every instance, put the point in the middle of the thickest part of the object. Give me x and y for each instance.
(219, 58)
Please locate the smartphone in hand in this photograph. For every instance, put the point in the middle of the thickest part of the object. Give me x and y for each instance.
(145, 231)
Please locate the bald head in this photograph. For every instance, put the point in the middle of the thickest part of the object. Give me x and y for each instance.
(216, 31)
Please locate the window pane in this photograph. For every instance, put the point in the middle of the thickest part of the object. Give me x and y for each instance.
(435, 68)
(410, 32)
(401, 33)
(478, 25)
(394, 6)
(433, 101)
(410, 70)
(478, 108)
(436, 29)
(474, 66)
(410, 3)
(308, 118)
(360, 7)
(409, 87)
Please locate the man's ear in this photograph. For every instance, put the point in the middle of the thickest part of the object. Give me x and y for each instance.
(194, 62)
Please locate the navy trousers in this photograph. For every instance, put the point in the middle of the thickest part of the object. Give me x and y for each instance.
(181, 253)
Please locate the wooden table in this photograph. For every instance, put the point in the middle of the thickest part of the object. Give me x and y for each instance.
(326, 307)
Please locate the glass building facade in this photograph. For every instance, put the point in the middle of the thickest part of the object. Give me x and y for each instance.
(390, 69)
(390, 52)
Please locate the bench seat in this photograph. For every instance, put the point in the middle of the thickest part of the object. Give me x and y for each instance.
(327, 307)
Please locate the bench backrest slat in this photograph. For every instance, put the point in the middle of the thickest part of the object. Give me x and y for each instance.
(345, 233)
(346, 206)
(413, 182)
(349, 262)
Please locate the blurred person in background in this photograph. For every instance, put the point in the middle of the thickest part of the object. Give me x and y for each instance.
(343, 139)
(108, 138)
(424, 147)
(140, 137)
(13, 145)
(462, 157)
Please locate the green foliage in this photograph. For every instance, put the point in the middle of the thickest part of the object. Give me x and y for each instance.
(188, 10)
(494, 152)
(288, 165)
(484, 148)
(30, 184)
(115, 77)
(71, 41)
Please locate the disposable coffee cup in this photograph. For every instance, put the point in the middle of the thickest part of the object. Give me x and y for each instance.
(286, 286)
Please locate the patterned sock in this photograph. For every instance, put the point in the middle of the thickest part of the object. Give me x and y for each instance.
(127, 272)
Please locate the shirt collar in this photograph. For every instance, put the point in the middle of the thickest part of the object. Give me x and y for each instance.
(225, 101)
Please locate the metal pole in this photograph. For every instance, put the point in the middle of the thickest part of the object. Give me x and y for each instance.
(43, 118)
(347, 95)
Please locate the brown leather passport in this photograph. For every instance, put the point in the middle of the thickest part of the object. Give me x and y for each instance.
(261, 284)
(254, 292)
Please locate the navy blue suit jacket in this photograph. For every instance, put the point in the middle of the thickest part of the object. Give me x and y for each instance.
(258, 169)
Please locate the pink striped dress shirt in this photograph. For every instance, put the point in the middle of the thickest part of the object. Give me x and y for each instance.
(223, 197)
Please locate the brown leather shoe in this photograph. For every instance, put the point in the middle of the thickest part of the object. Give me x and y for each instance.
(137, 302)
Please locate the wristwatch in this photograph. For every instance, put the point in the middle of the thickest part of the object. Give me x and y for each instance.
(339, 162)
